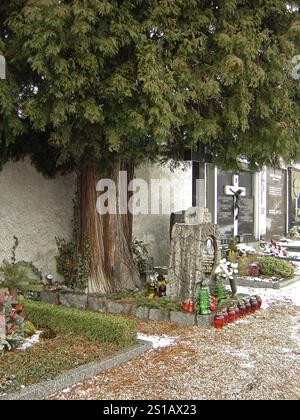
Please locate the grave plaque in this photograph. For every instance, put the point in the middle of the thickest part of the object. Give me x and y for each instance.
(225, 215)
(276, 202)
(246, 216)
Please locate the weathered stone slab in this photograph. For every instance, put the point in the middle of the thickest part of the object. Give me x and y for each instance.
(97, 304)
(197, 216)
(195, 253)
(140, 312)
(159, 315)
(114, 308)
(49, 296)
(127, 308)
(205, 320)
(182, 318)
(73, 300)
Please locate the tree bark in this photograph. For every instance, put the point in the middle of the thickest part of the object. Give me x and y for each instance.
(109, 235)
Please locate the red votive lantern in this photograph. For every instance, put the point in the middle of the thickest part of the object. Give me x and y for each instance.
(219, 320)
(191, 307)
(237, 312)
(254, 305)
(259, 301)
(231, 315)
(242, 309)
(248, 306)
(225, 315)
(185, 306)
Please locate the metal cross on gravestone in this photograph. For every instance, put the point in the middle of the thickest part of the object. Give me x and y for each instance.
(2, 67)
(237, 192)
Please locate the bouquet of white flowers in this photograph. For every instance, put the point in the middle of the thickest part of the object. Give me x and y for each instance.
(228, 270)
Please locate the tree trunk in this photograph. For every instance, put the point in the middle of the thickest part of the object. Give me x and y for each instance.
(109, 236)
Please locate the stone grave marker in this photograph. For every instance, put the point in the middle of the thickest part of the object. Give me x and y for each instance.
(195, 252)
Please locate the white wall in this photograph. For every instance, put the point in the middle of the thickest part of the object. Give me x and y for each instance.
(35, 209)
(154, 230)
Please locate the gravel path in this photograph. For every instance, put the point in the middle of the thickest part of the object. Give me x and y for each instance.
(256, 358)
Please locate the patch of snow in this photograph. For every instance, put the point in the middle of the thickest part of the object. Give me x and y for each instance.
(29, 342)
(289, 293)
(247, 365)
(157, 341)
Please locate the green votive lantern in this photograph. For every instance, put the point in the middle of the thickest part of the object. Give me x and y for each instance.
(204, 301)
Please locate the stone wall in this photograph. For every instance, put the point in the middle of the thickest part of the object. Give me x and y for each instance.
(154, 230)
(101, 304)
(35, 209)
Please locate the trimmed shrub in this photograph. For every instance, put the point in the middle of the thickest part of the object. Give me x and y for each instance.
(90, 325)
(273, 267)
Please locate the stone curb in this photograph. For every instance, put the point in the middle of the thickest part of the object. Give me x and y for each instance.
(82, 373)
(245, 282)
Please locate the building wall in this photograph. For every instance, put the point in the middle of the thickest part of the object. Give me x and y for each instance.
(154, 229)
(35, 209)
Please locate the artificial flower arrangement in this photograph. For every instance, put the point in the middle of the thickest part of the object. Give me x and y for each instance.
(12, 328)
(227, 269)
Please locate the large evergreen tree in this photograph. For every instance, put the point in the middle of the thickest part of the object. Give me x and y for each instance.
(97, 86)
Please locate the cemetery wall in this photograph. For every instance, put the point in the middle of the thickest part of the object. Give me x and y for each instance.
(154, 229)
(35, 209)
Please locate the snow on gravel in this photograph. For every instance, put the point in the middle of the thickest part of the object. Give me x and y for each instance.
(287, 294)
(157, 342)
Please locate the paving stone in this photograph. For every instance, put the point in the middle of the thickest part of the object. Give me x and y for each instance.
(205, 320)
(140, 312)
(114, 307)
(73, 300)
(51, 297)
(159, 315)
(97, 304)
(182, 318)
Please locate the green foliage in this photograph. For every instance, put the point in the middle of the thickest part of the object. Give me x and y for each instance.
(17, 276)
(65, 260)
(73, 266)
(14, 276)
(141, 255)
(164, 303)
(273, 267)
(103, 81)
(92, 326)
(48, 359)
(293, 232)
(244, 263)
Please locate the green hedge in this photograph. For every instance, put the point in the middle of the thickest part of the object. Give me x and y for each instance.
(90, 325)
(273, 267)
